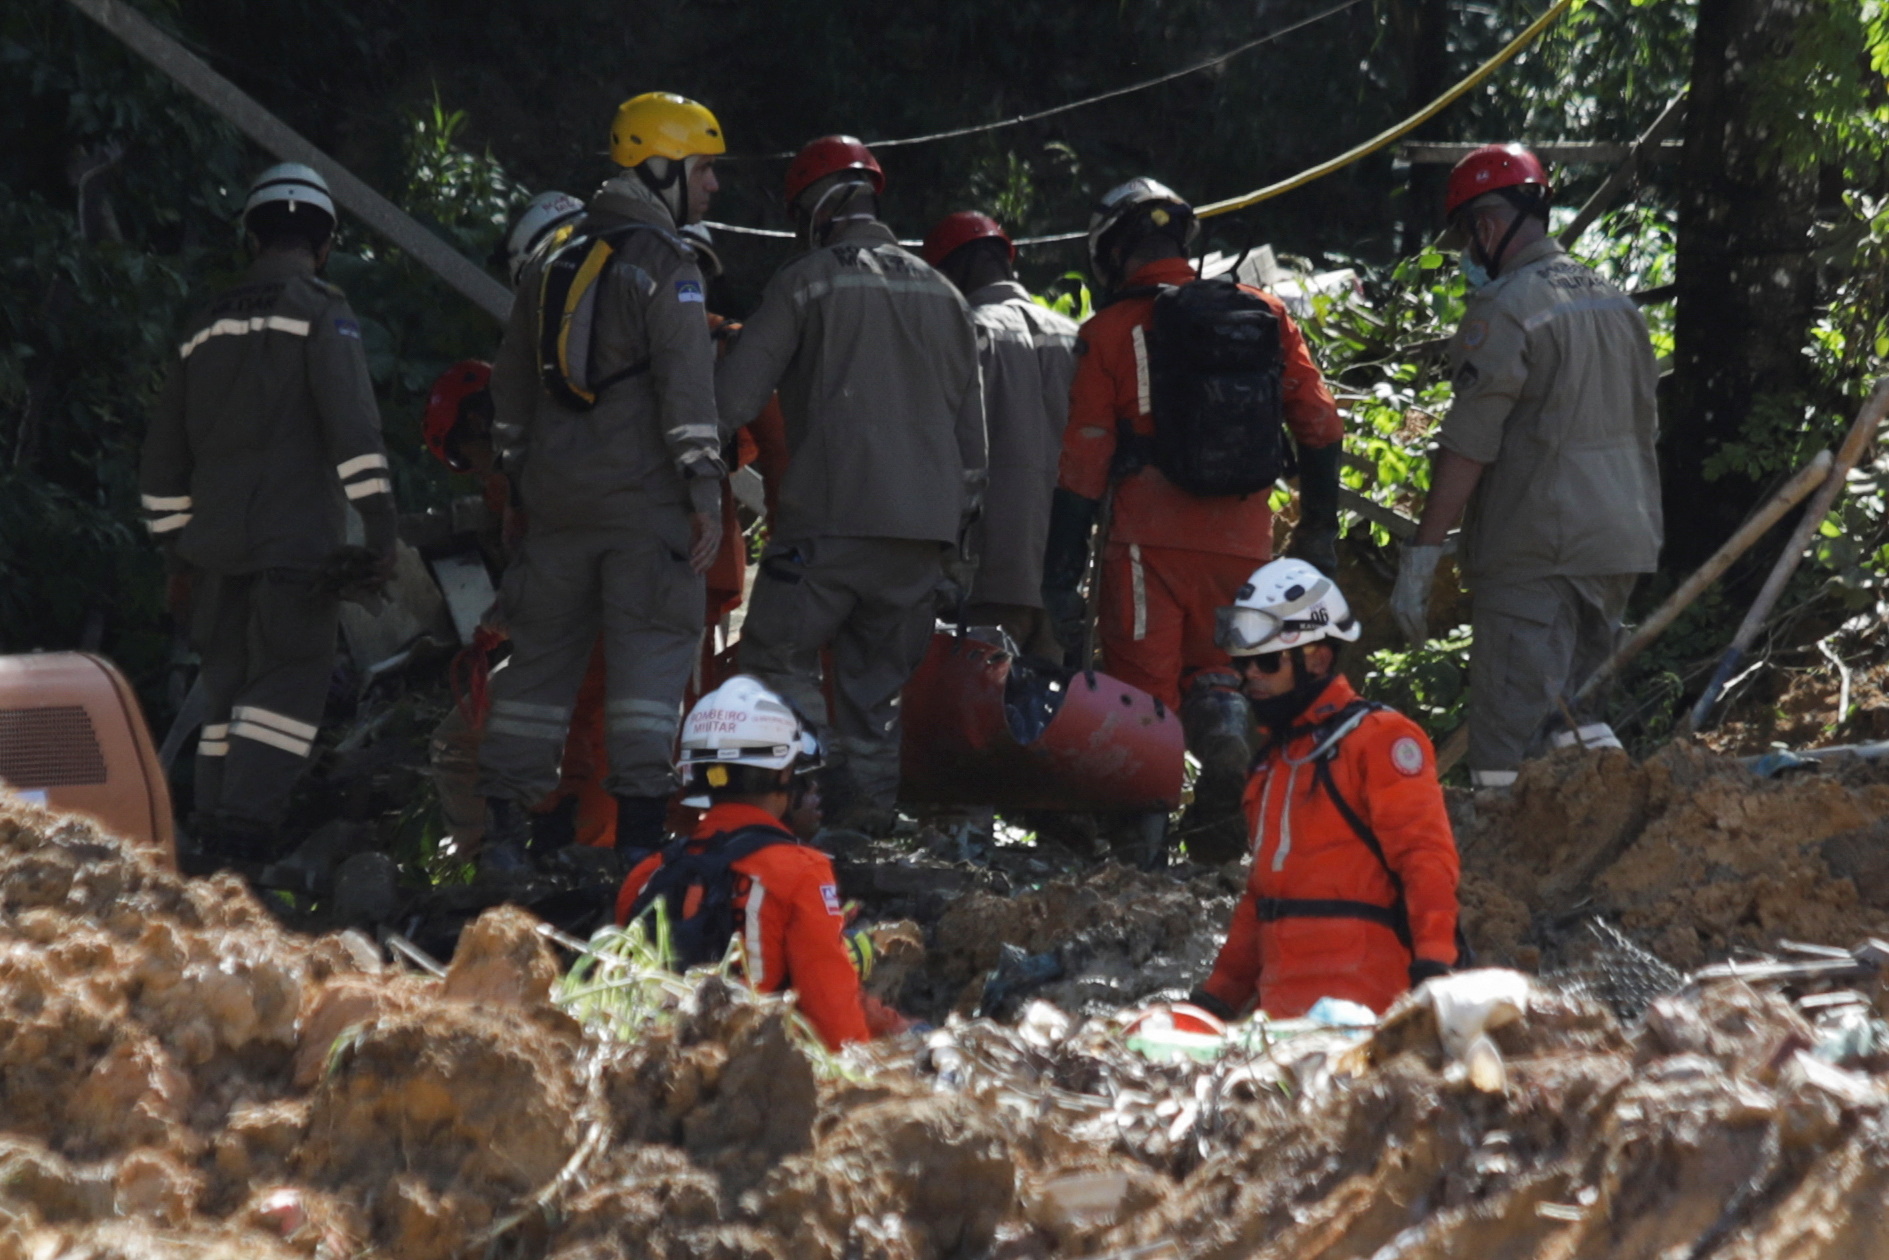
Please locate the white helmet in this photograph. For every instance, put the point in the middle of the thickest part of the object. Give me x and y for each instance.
(1130, 212)
(294, 183)
(1285, 604)
(534, 223)
(743, 723)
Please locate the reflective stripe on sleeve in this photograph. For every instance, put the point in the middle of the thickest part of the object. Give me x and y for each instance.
(756, 958)
(213, 748)
(1141, 371)
(168, 524)
(361, 489)
(1138, 583)
(359, 464)
(273, 738)
(241, 327)
(165, 503)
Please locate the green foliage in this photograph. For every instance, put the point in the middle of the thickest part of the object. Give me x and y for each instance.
(1429, 685)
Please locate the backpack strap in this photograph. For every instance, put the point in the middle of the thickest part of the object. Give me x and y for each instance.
(575, 272)
(679, 868)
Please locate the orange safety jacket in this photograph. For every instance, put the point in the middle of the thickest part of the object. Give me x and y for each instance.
(1112, 384)
(1321, 914)
(787, 908)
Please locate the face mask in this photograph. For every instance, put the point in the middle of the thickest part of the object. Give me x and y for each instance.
(1474, 273)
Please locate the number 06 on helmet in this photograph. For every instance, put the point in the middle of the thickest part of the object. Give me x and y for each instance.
(1285, 604)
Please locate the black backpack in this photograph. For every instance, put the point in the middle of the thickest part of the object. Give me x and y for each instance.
(698, 890)
(1214, 386)
(576, 262)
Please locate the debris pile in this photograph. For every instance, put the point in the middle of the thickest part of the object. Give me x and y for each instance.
(180, 1076)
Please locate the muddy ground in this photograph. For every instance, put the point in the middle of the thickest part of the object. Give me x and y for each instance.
(181, 1075)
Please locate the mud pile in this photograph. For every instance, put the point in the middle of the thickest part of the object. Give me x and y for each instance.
(179, 1076)
(1690, 854)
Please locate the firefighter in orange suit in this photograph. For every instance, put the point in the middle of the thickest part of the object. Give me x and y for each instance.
(1173, 557)
(1353, 887)
(747, 757)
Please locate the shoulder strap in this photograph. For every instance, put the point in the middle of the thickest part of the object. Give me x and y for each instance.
(1322, 771)
(569, 285)
(679, 868)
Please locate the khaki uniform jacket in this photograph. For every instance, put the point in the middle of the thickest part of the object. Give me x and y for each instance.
(651, 442)
(1028, 356)
(266, 429)
(1554, 377)
(876, 363)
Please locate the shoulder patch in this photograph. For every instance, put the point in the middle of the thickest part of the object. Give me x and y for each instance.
(347, 328)
(830, 894)
(1407, 757)
(1475, 332)
(689, 291)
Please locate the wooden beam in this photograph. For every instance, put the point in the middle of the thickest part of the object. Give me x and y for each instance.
(1566, 152)
(1652, 144)
(249, 117)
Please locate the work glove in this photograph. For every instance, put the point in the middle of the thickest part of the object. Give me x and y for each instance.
(1065, 560)
(1425, 969)
(860, 948)
(1212, 1005)
(1315, 540)
(357, 575)
(1410, 601)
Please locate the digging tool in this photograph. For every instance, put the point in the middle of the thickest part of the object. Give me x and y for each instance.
(1848, 455)
(1788, 496)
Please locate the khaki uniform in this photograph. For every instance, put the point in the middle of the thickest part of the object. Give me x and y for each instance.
(876, 363)
(265, 431)
(1554, 394)
(607, 493)
(1028, 356)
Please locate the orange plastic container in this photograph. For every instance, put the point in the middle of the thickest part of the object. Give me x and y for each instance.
(73, 737)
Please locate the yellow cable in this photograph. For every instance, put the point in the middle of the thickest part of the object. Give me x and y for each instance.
(1396, 133)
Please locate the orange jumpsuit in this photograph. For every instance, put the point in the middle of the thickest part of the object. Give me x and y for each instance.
(787, 905)
(1172, 558)
(1304, 850)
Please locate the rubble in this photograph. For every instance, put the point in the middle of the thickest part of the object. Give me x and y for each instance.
(182, 1075)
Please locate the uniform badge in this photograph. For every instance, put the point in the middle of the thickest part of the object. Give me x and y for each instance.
(689, 291)
(1407, 756)
(347, 328)
(1475, 332)
(830, 894)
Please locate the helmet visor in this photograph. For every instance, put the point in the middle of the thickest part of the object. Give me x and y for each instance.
(1242, 631)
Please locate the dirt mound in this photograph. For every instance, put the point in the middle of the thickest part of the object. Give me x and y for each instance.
(1691, 854)
(179, 1076)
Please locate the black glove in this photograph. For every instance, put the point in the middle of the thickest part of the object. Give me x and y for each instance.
(1065, 559)
(1425, 969)
(355, 574)
(1211, 1004)
(1316, 538)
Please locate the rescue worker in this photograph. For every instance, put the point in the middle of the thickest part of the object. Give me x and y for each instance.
(1549, 449)
(1172, 558)
(623, 497)
(876, 361)
(1028, 356)
(1352, 892)
(542, 216)
(457, 429)
(747, 755)
(265, 433)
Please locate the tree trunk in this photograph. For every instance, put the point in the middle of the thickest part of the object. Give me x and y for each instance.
(1428, 42)
(1746, 285)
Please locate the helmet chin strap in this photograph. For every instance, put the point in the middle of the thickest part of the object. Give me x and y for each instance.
(670, 184)
(817, 230)
(1493, 265)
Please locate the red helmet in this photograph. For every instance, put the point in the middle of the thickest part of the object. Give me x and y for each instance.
(955, 231)
(1492, 167)
(445, 403)
(826, 156)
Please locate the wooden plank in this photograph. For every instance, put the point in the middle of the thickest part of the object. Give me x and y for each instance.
(1653, 143)
(248, 116)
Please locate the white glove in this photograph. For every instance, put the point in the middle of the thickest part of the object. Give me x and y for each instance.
(1410, 601)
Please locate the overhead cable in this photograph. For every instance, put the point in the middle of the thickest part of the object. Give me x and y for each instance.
(1311, 173)
(1020, 119)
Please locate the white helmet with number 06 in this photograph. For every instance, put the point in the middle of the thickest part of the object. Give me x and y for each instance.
(1285, 604)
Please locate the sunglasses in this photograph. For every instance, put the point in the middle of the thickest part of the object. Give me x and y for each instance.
(1268, 663)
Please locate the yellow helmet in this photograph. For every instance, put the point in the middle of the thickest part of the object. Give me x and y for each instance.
(664, 125)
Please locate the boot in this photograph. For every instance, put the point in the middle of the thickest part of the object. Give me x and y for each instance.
(1219, 727)
(642, 827)
(507, 838)
(1142, 841)
(553, 830)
